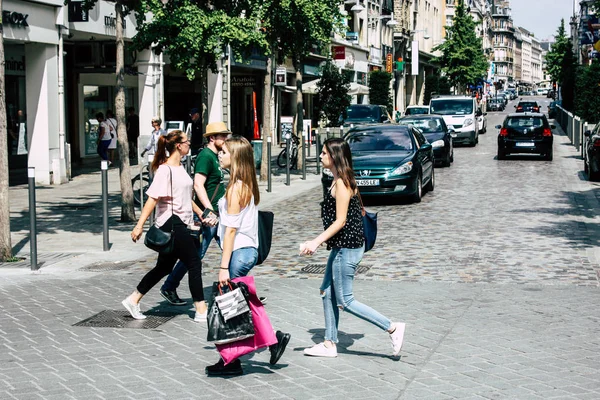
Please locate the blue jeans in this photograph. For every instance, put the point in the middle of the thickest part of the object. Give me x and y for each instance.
(103, 149)
(174, 279)
(336, 291)
(242, 261)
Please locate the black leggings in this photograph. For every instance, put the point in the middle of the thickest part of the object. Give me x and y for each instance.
(186, 250)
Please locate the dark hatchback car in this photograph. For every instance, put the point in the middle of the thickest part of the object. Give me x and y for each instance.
(358, 114)
(527, 106)
(552, 108)
(389, 160)
(525, 133)
(437, 133)
(495, 104)
(591, 153)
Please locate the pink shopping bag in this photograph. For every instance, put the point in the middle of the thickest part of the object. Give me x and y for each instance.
(263, 331)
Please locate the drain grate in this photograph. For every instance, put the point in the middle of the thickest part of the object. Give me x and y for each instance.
(107, 266)
(320, 269)
(122, 319)
(44, 259)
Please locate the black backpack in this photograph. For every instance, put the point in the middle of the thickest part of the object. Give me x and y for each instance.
(265, 235)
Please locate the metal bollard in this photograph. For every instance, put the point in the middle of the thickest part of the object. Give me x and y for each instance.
(303, 155)
(318, 151)
(269, 164)
(287, 164)
(104, 168)
(32, 220)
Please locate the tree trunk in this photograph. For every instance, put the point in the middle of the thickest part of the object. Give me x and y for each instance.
(299, 109)
(127, 209)
(5, 243)
(204, 115)
(266, 130)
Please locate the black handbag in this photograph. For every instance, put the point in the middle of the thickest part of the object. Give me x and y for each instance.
(161, 239)
(265, 235)
(237, 328)
(369, 226)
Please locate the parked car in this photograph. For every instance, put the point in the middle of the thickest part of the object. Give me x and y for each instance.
(527, 106)
(551, 94)
(525, 133)
(437, 133)
(416, 110)
(482, 122)
(503, 97)
(459, 112)
(389, 160)
(552, 108)
(495, 104)
(358, 114)
(591, 153)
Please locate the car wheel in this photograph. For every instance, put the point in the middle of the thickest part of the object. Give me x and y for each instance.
(452, 156)
(593, 175)
(431, 184)
(501, 155)
(548, 156)
(416, 197)
(585, 167)
(448, 160)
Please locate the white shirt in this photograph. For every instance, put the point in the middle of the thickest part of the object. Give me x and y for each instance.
(106, 135)
(245, 223)
(112, 125)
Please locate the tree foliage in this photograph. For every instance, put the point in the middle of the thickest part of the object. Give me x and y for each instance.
(332, 89)
(568, 78)
(462, 59)
(587, 87)
(554, 57)
(379, 89)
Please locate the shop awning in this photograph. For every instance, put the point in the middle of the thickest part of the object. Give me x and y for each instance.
(355, 88)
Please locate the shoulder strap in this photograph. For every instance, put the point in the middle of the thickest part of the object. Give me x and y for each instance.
(215, 192)
(172, 195)
(362, 206)
(113, 125)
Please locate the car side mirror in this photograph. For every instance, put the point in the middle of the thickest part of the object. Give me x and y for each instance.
(484, 113)
(451, 129)
(515, 106)
(587, 133)
(498, 126)
(478, 113)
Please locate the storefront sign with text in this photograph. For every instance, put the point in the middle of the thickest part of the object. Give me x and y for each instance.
(14, 18)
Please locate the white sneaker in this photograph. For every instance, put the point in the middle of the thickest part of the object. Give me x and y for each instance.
(398, 337)
(319, 350)
(200, 317)
(134, 309)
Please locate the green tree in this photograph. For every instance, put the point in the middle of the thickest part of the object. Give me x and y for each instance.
(587, 87)
(568, 77)
(462, 59)
(379, 89)
(332, 89)
(554, 57)
(294, 29)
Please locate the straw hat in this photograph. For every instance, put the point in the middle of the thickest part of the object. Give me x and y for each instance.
(216, 128)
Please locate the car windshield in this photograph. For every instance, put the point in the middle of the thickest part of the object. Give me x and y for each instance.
(527, 104)
(379, 140)
(452, 106)
(362, 112)
(524, 123)
(425, 125)
(417, 110)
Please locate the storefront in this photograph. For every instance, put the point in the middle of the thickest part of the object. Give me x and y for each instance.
(30, 31)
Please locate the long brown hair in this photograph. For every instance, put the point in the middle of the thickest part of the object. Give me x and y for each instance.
(242, 169)
(166, 143)
(341, 156)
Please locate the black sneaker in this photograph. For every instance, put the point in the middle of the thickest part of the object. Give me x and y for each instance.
(278, 348)
(171, 297)
(220, 369)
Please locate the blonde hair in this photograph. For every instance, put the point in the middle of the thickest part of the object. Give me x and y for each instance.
(157, 119)
(242, 169)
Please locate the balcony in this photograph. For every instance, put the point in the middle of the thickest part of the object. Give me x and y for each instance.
(503, 59)
(502, 29)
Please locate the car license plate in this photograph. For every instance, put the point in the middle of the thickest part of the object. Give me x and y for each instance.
(525, 144)
(367, 182)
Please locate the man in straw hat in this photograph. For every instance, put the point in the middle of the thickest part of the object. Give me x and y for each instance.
(209, 187)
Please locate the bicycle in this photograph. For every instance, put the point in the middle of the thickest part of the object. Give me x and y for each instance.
(282, 157)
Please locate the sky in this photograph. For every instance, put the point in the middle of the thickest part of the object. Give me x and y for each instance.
(542, 17)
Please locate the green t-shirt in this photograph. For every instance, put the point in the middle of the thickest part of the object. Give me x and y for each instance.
(207, 164)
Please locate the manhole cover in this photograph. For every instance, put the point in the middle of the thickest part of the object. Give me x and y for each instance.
(107, 266)
(122, 319)
(320, 269)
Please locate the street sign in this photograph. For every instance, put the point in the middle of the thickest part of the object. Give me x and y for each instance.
(388, 63)
(280, 76)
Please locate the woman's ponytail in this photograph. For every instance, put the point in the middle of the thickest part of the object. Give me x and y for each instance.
(160, 157)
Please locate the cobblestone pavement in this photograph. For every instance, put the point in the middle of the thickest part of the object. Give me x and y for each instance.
(494, 272)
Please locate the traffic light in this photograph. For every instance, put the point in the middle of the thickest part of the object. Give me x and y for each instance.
(399, 65)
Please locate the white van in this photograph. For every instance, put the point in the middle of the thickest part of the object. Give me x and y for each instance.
(460, 113)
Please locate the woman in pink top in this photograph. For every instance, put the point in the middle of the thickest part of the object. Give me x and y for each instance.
(171, 195)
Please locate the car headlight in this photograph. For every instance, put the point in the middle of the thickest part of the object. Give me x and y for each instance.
(437, 143)
(403, 169)
(468, 121)
(327, 172)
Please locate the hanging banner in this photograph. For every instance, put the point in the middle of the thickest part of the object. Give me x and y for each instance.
(414, 70)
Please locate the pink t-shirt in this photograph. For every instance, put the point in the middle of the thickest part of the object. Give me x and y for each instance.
(160, 189)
